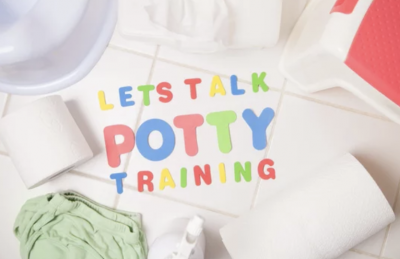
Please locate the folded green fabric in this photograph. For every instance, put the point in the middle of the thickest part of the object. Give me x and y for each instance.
(70, 226)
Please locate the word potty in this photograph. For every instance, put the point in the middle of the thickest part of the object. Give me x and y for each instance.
(188, 123)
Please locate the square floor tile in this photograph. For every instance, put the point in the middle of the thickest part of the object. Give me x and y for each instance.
(336, 96)
(244, 62)
(15, 195)
(230, 197)
(392, 249)
(158, 213)
(309, 134)
(115, 69)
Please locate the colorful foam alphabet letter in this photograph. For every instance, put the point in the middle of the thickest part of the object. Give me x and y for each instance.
(259, 126)
(189, 124)
(142, 140)
(114, 150)
(222, 120)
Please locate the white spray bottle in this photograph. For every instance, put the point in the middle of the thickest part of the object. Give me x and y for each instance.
(183, 239)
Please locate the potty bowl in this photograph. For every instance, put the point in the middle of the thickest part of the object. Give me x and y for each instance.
(48, 45)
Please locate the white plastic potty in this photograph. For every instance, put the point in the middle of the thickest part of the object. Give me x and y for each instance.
(47, 45)
(354, 44)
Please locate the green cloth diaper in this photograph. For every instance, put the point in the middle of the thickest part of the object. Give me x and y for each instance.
(70, 226)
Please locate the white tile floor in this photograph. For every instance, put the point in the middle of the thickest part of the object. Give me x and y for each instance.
(307, 131)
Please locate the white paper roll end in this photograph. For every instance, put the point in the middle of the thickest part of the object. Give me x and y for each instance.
(43, 140)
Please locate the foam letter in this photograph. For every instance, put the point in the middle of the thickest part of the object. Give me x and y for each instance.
(102, 101)
(193, 83)
(164, 89)
(222, 120)
(146, 89)
(114, 150)
(239, 171)
(222, 173)
(200, 174)
(118, 179)
(258, 81)
(166, 180)
(142, 140)
(234, 86)
(124, 96)
(183, 177)
(148, 181)
(259, 125)
(261, 169)
(216, 81)
(189, 124)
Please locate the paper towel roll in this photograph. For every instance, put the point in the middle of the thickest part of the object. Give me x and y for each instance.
(320, 217)
(43, 140)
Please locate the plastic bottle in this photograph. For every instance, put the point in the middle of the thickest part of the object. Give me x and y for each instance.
(183, 239)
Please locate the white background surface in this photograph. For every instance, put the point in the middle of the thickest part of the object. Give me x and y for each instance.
(307, 131)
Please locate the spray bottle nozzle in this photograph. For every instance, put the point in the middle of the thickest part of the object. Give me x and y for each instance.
(189, 240)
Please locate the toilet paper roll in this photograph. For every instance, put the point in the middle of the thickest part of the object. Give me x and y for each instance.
(43, 140)
(320, 217)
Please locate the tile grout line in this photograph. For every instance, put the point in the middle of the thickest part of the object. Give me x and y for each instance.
(116, 201)
(195, 68)
(389, 227)
(92, 177)
(387, 231)
(337, 106)
(133, 188)
(116, 47)
(364, 253)
(271, 136)
(5, 106)
(126, 167)
(2, 114)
